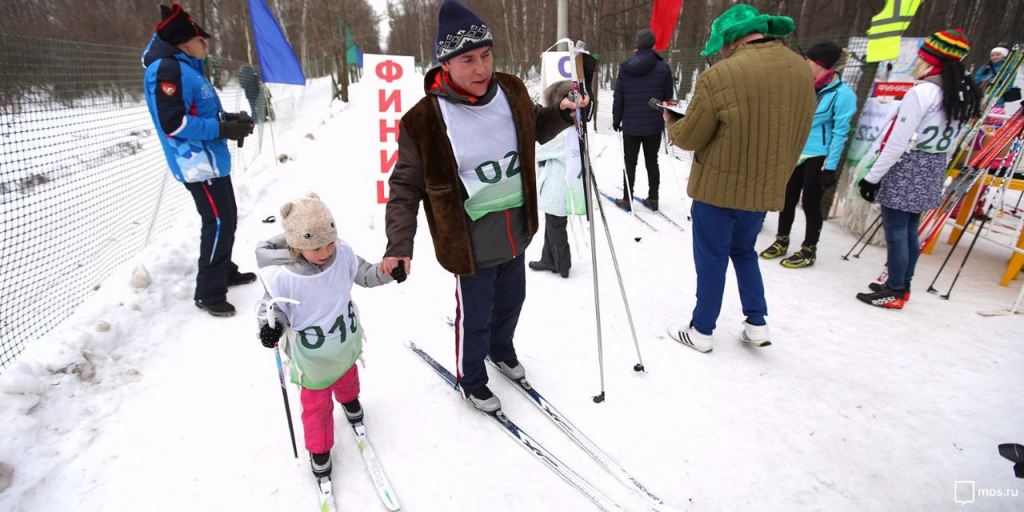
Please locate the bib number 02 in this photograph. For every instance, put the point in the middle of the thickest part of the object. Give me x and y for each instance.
(494, 168)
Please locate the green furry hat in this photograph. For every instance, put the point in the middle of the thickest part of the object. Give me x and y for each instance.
(740, 20)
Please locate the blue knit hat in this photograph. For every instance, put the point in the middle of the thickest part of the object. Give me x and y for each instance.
(459, 30)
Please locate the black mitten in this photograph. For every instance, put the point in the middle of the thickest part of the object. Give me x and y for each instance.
(269, 336)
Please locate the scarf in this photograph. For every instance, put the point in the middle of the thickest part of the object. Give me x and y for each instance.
(444, 86)
(820, 83)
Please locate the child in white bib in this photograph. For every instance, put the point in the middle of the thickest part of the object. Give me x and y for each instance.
(322, 333)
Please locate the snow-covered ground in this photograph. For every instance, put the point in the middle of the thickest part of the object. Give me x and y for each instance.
(142, 401)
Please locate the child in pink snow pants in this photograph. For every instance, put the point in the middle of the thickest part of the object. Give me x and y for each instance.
(323, 338)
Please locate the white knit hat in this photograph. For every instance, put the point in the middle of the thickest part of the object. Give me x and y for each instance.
(308, 224)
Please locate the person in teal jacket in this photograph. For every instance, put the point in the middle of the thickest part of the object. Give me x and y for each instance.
(985, 77)
(816, 168)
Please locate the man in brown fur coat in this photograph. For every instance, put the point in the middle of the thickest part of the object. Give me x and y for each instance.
(466, 150)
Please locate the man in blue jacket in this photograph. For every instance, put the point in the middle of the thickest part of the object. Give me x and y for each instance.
(641, 78)
(192, 128)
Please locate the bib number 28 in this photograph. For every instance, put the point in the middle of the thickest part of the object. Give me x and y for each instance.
(932, 132)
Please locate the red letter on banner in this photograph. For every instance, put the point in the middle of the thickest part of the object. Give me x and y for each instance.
(389, 71)
(385, 129)
(386, 162)
(395, 98)
(381, 199)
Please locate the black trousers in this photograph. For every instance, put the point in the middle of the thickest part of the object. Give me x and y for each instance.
(215, 202)
(556, 243)
(631, 148)
(806, 179)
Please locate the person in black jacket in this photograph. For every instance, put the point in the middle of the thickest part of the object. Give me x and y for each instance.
(641, 78)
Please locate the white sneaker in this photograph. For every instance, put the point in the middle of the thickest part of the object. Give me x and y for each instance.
(691, 338)
(756, 335)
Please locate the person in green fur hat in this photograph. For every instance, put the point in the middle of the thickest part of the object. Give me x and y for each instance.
(740, 21)
(746, 123)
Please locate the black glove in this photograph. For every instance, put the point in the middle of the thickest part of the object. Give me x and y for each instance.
(868, 190)
(242, 116)
(399, 272)
(269, 336)
(827, 179)
(235, 130)
(617, 126)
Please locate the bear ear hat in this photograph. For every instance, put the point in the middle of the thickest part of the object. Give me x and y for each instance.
(286, 210)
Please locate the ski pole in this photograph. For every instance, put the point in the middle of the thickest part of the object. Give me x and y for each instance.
(931, 287)
(868, 241)
(968, 255)
(280, 368)
(862, 235)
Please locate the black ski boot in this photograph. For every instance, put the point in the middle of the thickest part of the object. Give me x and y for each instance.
(353, 411)
(875, 287)
(883, 298)
(321, 464)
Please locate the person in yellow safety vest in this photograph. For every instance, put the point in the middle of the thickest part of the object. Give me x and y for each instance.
(887, 27)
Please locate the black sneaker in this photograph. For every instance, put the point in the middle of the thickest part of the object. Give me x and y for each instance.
(321, 464)
(223, 308)
(650, 203)
(353, 411)
(239, 278)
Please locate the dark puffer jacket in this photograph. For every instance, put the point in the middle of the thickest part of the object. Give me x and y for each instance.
(641, 78)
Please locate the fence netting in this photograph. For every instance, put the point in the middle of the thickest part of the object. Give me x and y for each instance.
(83, 181)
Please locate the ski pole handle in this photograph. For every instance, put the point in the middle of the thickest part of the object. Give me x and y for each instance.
(270, 308)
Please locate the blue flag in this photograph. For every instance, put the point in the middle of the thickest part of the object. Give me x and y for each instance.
(277, 60)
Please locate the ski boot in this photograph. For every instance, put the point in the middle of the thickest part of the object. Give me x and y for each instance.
(803, 258)
(777, 249)
(883, 298)
(353, 411)
(483, 399)
(877, 287)
(512, 369)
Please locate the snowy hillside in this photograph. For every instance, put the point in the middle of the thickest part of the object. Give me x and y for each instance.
(141, 401)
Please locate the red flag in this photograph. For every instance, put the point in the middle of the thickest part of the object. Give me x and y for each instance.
(663, 21)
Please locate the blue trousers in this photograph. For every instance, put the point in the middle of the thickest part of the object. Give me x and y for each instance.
(901, 244)
(720, 235)
(486, 314)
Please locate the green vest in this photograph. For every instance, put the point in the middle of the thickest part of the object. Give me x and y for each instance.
(887, 27)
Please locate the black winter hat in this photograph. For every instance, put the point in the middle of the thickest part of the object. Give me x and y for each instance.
(459, 30)
(644, 39)
(177, 26)
(826, 54)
